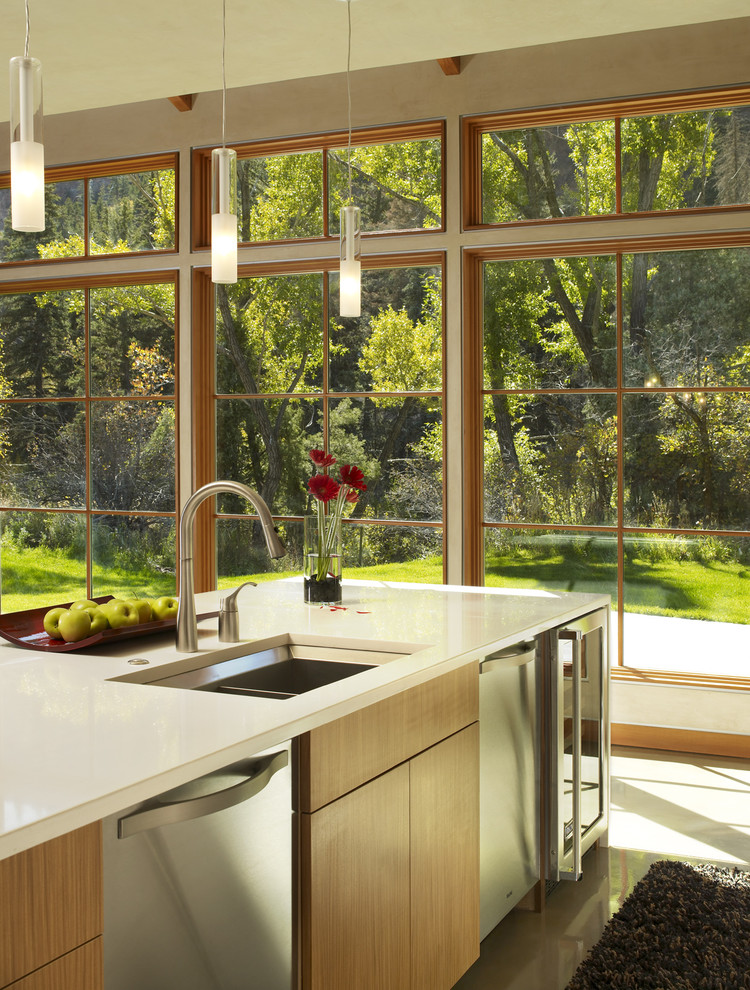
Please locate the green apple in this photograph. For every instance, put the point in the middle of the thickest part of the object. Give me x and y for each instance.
(75, 625)
(145, 611)
(84, 603)
(165, 607)
(99, 620)
(120, 613)
(51, 622)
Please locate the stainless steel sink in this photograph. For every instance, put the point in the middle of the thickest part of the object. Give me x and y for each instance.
(281, 668)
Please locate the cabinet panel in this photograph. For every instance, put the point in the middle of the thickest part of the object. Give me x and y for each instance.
(50, 901)
(444, 815)
(354, 889)
(342, 755)
(80, 969)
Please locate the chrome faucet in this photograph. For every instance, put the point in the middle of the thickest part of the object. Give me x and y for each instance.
(187, 626)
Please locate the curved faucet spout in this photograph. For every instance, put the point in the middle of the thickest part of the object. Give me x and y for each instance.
(187, 627)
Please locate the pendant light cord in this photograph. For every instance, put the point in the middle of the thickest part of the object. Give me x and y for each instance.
(223, 72)
(26, 49)
(349, 94)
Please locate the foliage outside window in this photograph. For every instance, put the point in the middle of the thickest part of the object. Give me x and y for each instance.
(667, 161)
(291, 375)
(87, 440)
(119, 209)
(294, 188)
(578, 466)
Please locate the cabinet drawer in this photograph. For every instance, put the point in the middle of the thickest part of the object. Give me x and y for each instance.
(50, 901)
(337, 757)
(80, 969)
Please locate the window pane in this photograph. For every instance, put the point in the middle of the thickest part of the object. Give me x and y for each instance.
(133, 456)
(44, 559)
(687, 318)
(269, 334)
(551, 459)
(396, 345)
(550, 323)
(280, 197)
(62, 236)
(134, 212)
(397, 186)
(43, 463)
(393, 553)
(551, 560)
(542, 172)
(241, 553)
(42, 344)
(682, 160)
(131, 333)
(133, 556)
(398, 444)
(687, 460)
(686, 604)
(264, 443)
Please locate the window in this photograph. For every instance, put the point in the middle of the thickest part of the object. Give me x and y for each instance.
(294, 188)
(590, 162)
(106, 208)
(291, 375)
(615, 442)
(87, 438)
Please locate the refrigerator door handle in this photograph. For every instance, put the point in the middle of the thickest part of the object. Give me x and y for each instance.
(514, 656)
(576, 638)
(259, 773)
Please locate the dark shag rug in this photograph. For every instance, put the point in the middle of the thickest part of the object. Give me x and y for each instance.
(682, 928)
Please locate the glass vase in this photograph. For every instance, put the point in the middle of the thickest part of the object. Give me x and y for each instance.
(322, 578)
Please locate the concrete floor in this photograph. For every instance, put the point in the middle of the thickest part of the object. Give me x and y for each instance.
(664, 806)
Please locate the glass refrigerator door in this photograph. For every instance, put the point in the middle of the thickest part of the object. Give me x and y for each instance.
(582, 784)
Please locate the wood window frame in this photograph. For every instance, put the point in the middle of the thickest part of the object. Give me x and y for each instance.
(474, 127)
(86, 283)
(474, 392)
(97, 170)
(205, 395)
(362, 137)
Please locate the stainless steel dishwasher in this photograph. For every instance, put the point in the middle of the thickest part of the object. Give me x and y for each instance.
(509, 858)
(198, 883)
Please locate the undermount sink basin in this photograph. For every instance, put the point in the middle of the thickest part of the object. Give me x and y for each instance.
(284, 668)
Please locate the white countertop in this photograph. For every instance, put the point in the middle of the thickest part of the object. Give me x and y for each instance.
(76, 746)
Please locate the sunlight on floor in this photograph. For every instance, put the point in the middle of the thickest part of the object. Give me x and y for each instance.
(664, 806)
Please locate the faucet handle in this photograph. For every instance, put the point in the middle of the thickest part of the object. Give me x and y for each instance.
(229, 628)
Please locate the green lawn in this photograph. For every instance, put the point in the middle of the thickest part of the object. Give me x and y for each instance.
(691, 589)
(38, 576)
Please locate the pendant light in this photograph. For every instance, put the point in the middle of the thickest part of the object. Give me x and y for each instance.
(350, 270)
(223, 189)
(26, 147)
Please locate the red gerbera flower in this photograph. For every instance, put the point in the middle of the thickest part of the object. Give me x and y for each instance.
(352, 476)
(323, 487)
(321, 459)
(352, 496)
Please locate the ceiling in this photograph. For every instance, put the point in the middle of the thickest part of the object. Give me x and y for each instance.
(97, 54)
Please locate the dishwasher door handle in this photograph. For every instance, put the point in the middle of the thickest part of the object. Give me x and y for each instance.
(259, 774)
(513, 656)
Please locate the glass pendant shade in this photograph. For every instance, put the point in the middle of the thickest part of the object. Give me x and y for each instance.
(223, 215)
(26, 145)
(350, 277)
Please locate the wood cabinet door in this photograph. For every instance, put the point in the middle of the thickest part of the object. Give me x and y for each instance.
(50, 901)
(354, 889)
(444, 814)
(80, 969)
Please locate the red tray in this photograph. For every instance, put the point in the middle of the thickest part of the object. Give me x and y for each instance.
(26, 629)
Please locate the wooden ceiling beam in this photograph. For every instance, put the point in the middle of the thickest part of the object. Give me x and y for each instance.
(450, 66)
(183, 103)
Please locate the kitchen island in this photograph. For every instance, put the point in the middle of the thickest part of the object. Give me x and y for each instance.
(78, 743)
